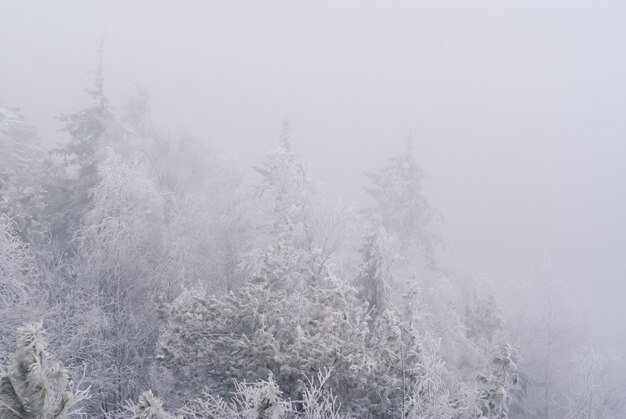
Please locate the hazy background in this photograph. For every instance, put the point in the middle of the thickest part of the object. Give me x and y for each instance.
(517, 107)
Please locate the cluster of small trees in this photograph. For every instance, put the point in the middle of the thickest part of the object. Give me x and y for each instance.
(37, 386)
(153, 266)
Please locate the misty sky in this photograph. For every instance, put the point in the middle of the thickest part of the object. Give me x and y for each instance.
(517, 107)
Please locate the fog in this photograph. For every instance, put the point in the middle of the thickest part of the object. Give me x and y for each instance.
(516, 110)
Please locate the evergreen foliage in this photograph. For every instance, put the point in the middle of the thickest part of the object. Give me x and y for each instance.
(18, 285)
(264, 328)
(154, 265)
(35, 386)
(23, 169)
(498, 386)
(398, 192)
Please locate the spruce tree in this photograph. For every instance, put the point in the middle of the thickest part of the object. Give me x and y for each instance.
(402, 206)
(87, 129)
(285, 194)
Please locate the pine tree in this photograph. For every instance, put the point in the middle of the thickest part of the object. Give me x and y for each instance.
(284, 201)
(401, 205)
(376, 275)
(88, 130)
(285, 195)
(22, 175)
(35, 386)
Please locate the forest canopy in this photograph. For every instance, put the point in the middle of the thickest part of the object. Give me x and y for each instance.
(141, 277)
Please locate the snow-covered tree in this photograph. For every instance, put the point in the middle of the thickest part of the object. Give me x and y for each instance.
(148, 406)
(261, 399)
(289, 223)
(317, 403)
(87, 129)
(19, 285)
(393, 353)
(437, 393)
(482, 322)
(498, 385)
(117, 265)
(283, 246)
(35, 386)
(285, 195)
(93, 132)
(23, 171)
(209, 227)
(375, 279)
(597, 385)
(290, 325)
(262, 328)
(400, 202)
(548, 322)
